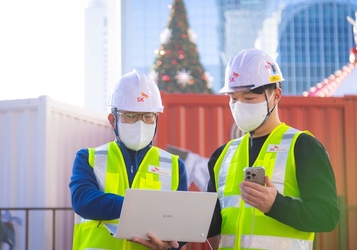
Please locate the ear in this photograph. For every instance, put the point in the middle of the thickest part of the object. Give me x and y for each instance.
(111, 119)
(277, 94)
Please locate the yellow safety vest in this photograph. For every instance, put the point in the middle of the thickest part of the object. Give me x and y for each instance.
(110, 171)
(244, 227)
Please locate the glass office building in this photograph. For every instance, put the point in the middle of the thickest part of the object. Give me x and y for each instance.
(314, 42)
(310, 39)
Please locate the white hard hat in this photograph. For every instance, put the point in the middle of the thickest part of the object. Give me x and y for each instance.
(250, 69)
(136, 92)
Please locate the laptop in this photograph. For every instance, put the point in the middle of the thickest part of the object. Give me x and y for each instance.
(169, 215)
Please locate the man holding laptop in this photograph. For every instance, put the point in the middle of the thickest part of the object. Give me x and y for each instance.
(102, 175)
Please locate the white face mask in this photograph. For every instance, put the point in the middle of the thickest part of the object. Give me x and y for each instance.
(136, 135)
(249, 116)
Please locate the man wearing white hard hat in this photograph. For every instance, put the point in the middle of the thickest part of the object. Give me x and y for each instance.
(298, 194)
(102, 175)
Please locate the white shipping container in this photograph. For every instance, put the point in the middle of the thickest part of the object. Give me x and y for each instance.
(39, 138)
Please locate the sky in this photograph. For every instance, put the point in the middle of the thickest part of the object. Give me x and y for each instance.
(42, 50)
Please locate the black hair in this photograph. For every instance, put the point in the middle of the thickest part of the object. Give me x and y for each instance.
(261, 89)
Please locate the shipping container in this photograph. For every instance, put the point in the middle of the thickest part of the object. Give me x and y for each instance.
(38, 141)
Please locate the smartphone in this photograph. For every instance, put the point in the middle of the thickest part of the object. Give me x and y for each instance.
(255, 174)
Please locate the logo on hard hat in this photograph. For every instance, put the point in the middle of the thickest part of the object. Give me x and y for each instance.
(141, 98)
(271, 65)
(233, 76)
(267, 65)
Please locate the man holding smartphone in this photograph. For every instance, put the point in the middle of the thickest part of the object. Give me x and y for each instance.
(299, 196)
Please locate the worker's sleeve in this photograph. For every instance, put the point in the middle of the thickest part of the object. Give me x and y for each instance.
(87, 200)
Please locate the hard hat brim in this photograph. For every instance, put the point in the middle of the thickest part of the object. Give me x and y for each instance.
(227, 90)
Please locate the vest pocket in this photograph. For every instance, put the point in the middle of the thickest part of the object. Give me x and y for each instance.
(150, 182)
(94, 235)
(111, 184)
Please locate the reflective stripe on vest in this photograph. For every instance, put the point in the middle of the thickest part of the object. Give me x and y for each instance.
(280, 162)
(78, 219)
(165, 163)
(266, 242)
(277, 177)
(232, 200)
(100, 164)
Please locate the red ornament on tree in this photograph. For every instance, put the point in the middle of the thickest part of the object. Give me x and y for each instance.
(165, 78)
(179, 24)
(183, 36)
(174, 62)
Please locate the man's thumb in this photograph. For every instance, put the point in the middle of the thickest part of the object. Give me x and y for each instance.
(268, 182)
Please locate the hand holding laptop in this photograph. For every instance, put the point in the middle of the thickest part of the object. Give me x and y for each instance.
(167, 216)
(156, 244)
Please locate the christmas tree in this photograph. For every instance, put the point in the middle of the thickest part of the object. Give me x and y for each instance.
(177, 67)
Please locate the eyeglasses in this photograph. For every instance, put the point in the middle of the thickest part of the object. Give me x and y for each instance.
(147, 118)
